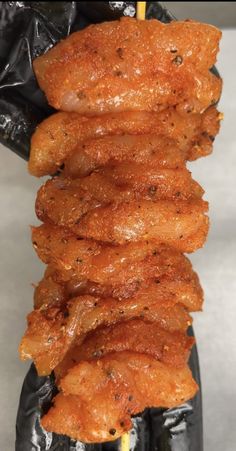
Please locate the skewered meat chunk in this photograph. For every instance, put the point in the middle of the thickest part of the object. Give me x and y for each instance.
(131, 381)
(64, 201)
(113, 309)
(64, 134)
(131, 65)
(137, 335)
(77, 260)
(167, 282)
(49, 291)
(180, 224)
(52, 331)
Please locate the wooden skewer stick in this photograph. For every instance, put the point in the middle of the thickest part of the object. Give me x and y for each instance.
(141, 10)
(140, 15)
(125, 442)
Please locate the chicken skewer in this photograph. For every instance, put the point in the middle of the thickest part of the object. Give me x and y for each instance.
(85, 232)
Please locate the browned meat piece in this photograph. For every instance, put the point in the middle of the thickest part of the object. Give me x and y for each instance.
(112, 310)
(156, 150)
(180, 224)
(63, 201)
(79, 260)
(182, 284)
(105, 68)
(135, 335)
(62, 134)
(49, 292)
(131, 382)
(52, 331)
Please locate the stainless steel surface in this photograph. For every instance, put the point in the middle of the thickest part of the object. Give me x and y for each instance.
(216, 264)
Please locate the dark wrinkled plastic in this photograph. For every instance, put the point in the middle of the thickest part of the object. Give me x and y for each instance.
(177, 429)
(28, 29)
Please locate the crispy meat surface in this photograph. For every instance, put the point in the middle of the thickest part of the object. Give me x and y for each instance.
(64, 201)
(137, 335)
(77, 260)
(51, 331)
(104, 68)
(155, 150)
(180, 224)
(183, 285)
(48, 291)
(61, 135)
(131, 381)
(137, 101)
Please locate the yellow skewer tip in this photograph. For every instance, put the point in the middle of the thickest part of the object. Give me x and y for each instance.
(141, 10)
(125, 442)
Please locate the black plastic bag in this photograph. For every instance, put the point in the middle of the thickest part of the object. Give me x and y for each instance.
(28, 29)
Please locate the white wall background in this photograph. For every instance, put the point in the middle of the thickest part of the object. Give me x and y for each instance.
(221, 14)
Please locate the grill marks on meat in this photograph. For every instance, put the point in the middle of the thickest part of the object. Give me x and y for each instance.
(113, 308)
